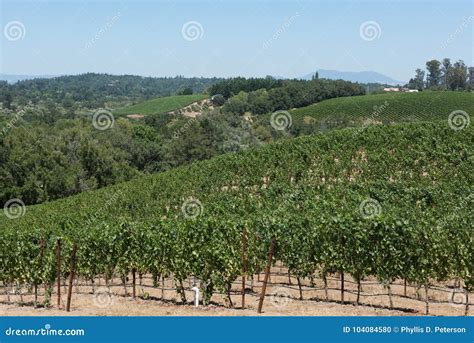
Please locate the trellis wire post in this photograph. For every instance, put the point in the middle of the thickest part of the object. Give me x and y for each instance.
(244, 248)
(267, 273)
(71, 277)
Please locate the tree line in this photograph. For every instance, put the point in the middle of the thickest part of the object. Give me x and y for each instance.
(290, 94)
(230, 87)
(443, 75)
(92, 90)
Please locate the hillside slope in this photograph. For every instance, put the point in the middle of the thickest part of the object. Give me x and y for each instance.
(388, 155)
(161, 105)
(388, 202)
(382, 108)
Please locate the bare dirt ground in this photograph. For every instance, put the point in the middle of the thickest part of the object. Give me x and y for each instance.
(282, 299)
(195, 109)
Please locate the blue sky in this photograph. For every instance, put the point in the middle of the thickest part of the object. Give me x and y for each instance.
(248, 38)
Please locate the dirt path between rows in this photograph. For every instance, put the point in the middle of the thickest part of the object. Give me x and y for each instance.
(282, 300)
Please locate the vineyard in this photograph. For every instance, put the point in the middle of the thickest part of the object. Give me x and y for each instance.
(383, 203)
(383, 108)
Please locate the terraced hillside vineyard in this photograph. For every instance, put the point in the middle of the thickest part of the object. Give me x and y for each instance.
(380, 108)
(389, 202)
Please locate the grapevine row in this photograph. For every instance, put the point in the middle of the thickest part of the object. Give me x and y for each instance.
(389, 202)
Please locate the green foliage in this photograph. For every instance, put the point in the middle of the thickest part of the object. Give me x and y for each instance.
(218, 100)
(186, 91)
(93, 90)
(291, 94)
(306, 192)
(378, 109)
(434, 73)
(232, 86)
(42, 162)
(443, 75)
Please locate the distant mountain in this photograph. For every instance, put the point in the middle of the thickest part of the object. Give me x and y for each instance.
(355, 76)
(14, 78)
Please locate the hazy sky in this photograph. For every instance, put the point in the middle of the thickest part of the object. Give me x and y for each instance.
(230, 38)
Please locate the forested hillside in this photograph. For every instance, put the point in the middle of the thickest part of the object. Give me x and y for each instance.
(95, 90)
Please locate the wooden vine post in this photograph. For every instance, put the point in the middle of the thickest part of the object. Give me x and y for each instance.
(58, 270)
(72, 269)
(390, 298)
(244, 251)
(162, 286)
(267, 274)
(299, 286)
(427, 301)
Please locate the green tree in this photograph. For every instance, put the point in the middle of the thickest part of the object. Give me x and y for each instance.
(433, 78)
(418, 81)
(218, 99)
(459, 76)
(186, 91)
(446, 70)
(470, 72)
